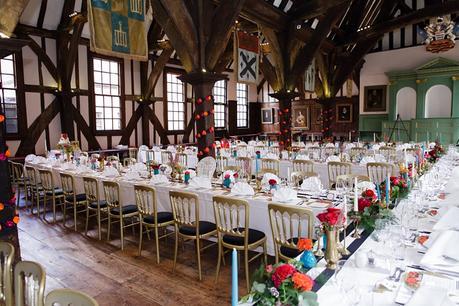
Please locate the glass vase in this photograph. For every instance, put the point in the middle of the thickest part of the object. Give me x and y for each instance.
(308, 259)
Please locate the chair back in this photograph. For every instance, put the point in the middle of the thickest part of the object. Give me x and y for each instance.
(29, 283)
(166, 157)
(113, 158)
(354, 152)
(206, 167)
(274, 150)
(145, 199)
(182, 159)
(47, 181)
(133, 153)
(31, 175)
(185, 208)
(314, 153)
(388, 152)
(288, 222)
(112, 194)
(91, 189)
(303, 165)
(69, 297)
(222, 163)
(68, 185)
(348, 180)
(6, 269)
(328, 151)
(245, 164)
(335, 169)
(378, 172)
(232, 217)
(129, 161)
(17, 172)
(298, 176)
(270, 164)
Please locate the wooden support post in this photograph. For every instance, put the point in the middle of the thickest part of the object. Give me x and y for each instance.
(285, 116)
(203, 84)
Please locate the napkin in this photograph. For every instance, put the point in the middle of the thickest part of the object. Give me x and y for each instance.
(284, 154)
(30, 158)
(379, 158)
(157, 179)
(82, 169)
(230, 173)
(376, 147)
(449, 220)
(171, 149)
(156, 148)
(132, 175)
(242, 189)
(350, 146)
(311, 184)
(201, 182)
(83, 159)
(333, 158)
(110, 172)
(139, 167)
(445, 245)
(330, 145)
(271, 156)
(430, 296)
(269, 176)
(302, 157)
(362, 186)
(285, 194)
(367, 159)
(68, 166)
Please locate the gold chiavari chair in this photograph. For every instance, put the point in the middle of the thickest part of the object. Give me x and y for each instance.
(166, 157)
(6, 273)
(29, 283)
(76, 202)
(274, 150)
(116, 210)
(94, 204)
(50, 191)
(182, 159)
(270, 165)
(150, 218)
(298, 176)
(314, 153)
(388, 152)
(19, 181)
(348, 180)
(328, 151)
(34, 187)
(113, 158)
(129, 161)
(335, 169)
(288, 225)
(260, 149)
(354, 152)
(222, 163)
(378, 172)
(303, 165)
(188, 226)
(69, 297)
(232, 218)
(245, 164)
(133, 153)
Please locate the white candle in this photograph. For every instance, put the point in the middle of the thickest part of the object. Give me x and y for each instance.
(374, 137)
(288, 174)
(356, 197)
(345, 210)
(349, 136)
(406, 159)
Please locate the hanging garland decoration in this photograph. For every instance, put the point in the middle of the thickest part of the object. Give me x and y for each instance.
(9, 217)
(202, 116)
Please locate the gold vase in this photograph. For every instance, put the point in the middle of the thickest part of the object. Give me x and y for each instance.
(331, 250)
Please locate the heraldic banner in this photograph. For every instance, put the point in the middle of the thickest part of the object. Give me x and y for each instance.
(247, 57)
(118, 28)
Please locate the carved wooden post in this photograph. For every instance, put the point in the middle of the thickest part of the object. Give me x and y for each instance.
(203, 84)
(285, 116)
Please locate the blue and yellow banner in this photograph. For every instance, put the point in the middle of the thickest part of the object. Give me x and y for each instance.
(117, 28)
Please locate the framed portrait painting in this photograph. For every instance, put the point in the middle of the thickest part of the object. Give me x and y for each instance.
(344, 113)
(300, 117)
(375, 98)
(267, 116)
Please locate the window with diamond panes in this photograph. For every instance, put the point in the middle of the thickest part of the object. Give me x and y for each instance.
(219, 93)
(175, 103)
(107, 94)
(242, 96)
(8, 94)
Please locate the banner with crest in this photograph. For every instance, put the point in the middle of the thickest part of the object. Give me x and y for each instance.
(247, 48)
(117, 28)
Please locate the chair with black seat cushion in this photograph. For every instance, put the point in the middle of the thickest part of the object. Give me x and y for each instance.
(34, 188)
(188, 226)
(232, 219)
(94, 204)
(288, 224)
(149, 217)
(19, 182)
(116, 210)
(72, 200)
(50, 191)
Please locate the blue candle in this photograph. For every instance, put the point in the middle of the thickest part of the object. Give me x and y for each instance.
(234, 288)
(387, 190)
(378, 191)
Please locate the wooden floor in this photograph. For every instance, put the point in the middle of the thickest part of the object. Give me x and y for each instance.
(115, 277)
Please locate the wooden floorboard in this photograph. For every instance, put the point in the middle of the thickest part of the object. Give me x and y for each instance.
(115, 277)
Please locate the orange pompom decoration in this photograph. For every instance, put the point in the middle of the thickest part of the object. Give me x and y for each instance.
(2, 118)
(2, 207)
(7, 153)
(206, 114)
(199, 101)
(197, 117)
(286, 110)
(209, 98)
(206, 149)
(204, 133)
(16, 219)
(281, 142)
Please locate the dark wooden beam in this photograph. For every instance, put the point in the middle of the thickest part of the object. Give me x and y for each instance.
(11, 45)
(314, 8)
(304, 34)
(269, 73)
(156, 72)
(44, 58)
(127, 131)
(157, 125)
(93, 144)
(222, 23)
(408, 19)
(41, 15)
(189, 129)
(225, 58)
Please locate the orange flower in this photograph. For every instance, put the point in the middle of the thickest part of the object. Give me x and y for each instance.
(302, 281)
(2, 118)
(305, 244)
(16, 219)
(2, 206)
(7, 153)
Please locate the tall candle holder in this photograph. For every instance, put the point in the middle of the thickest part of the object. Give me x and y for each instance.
(356, 220)
(342, 248)
(319, 234)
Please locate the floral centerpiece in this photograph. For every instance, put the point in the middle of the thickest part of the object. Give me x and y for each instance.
(370, 209)
(435, 153)
(398, 187)
(272, 184)
(307, 257)
(281, 284)
(228, 178)
(65, 145)
(331, 220)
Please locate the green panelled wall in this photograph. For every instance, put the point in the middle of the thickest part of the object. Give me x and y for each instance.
(439, 71)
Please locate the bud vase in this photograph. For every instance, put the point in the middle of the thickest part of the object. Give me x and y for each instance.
(331, 250)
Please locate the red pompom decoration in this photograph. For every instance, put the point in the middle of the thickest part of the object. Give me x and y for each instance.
(199, 101)
(206, 149)
(200, 153)
(281, 142)
(197, 117)
(283, 122)
(280, 113)
(209, 98)
(214, 145)
(198, 135)
(204, 133)
(211, 129)
(286, 110)
(2, 118)
(212, 111)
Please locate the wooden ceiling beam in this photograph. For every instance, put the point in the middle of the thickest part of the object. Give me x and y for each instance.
(41, 15)
(304, 35)
(156, 72)
(314, 8)
(399, 22)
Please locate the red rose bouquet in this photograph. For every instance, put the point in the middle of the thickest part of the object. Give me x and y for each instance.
(331, 218)
(370, 210)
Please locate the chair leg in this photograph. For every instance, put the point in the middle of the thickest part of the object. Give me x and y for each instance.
(157, 244)
(54, 209)
(246, 263)
(109, 226)
(218, 260)
(45, 200)
(122, 233)
(74, 216)
(87, 222)
(265, 255)
(140, 239)
(198, 253)
(64, 214)
(176, 249)
(98, 224)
